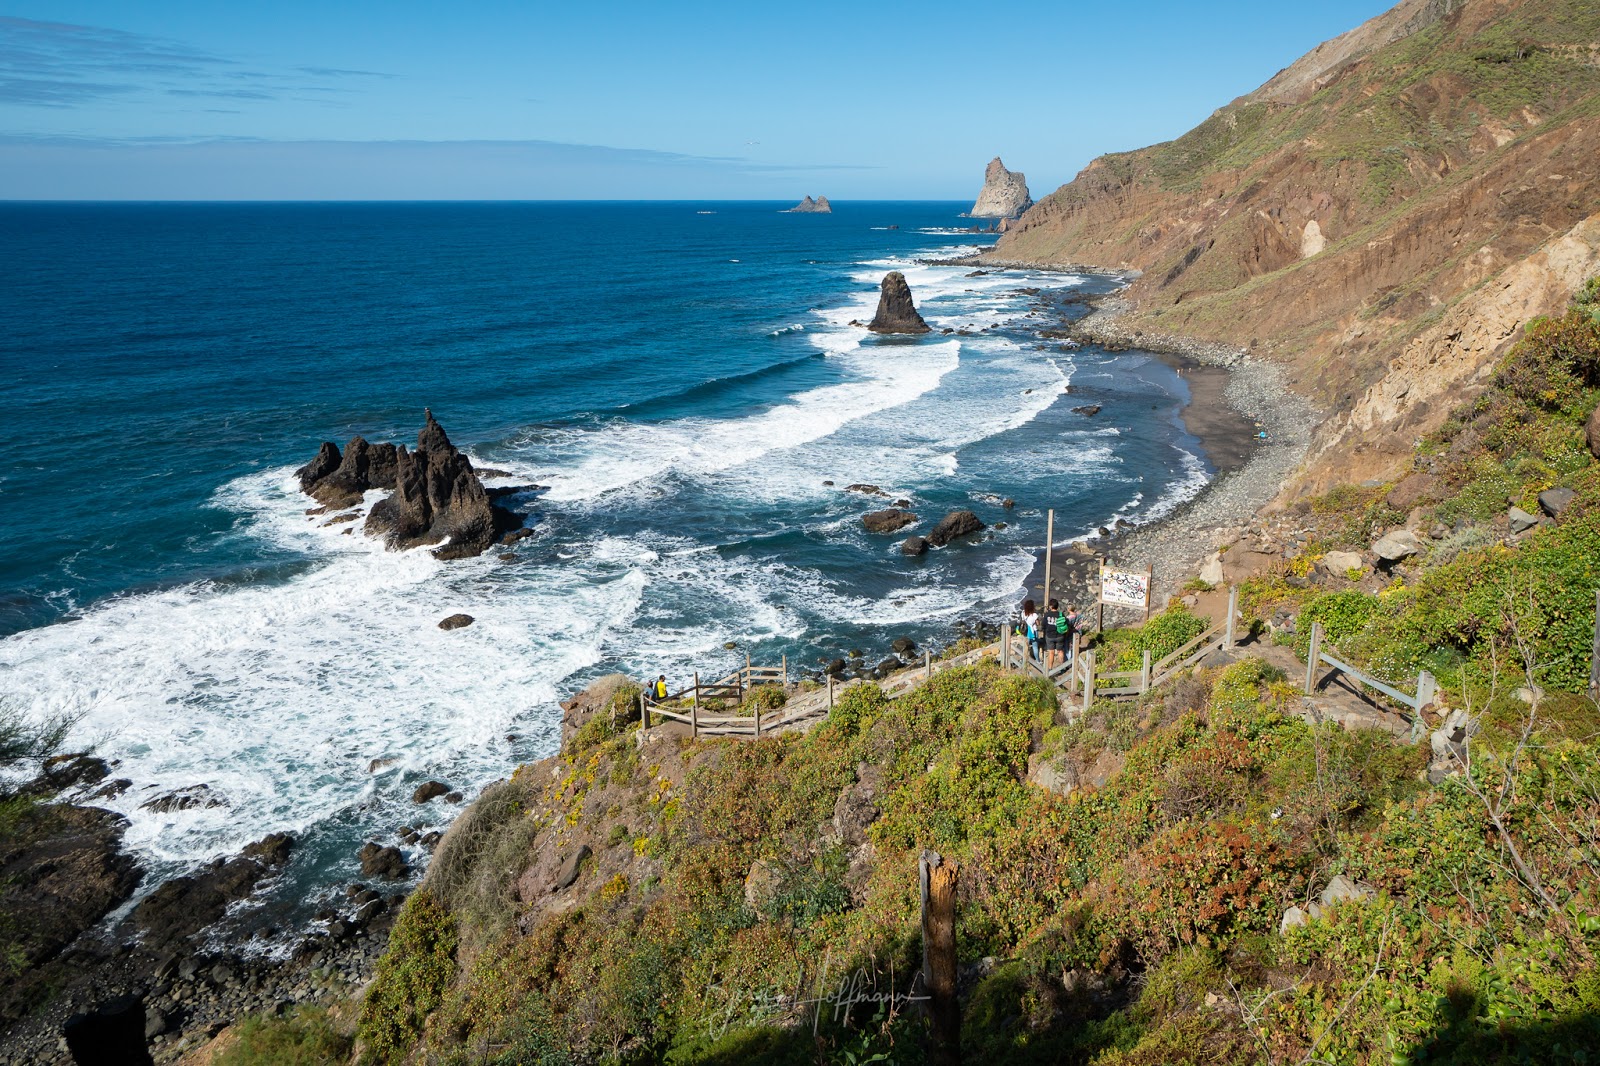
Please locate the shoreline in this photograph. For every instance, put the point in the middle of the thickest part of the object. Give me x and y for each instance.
(1232, 395)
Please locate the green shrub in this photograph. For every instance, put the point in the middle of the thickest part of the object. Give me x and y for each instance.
(305, 1037)
(855, 707)
(1342, 614)
(1166, 633)
(411, 979)
(763, 698)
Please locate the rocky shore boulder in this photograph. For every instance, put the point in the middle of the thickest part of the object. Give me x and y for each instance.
(808, 206)
(887, 521)
(914, 546)
(896, 311)
(61, 870)
(953, 525)
(186, 905)
(1591, 432)
(1004, 195)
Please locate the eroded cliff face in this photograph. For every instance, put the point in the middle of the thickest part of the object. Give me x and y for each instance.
(1420, 170)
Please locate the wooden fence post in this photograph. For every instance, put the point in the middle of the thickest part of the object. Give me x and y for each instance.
(1088, 680)
(644, 711)
(938, 884)
(830, 692)
(694, 720)
(1594, 654)
(785, 669)
(1100, 599)
(1311, 659)
(927, 665)
(1049, 546)
(694, 695)
(1233, 612)
(1005, 643)
(1144, 673)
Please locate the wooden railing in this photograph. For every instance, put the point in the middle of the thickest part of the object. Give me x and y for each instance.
(732, 688)
(1078, 675)
(1427, 687)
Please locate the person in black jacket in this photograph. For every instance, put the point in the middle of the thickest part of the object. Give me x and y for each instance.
(1056, 635)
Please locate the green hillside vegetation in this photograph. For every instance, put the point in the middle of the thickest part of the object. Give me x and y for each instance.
(1421, 99)
(1137, 922)
(1476, 609)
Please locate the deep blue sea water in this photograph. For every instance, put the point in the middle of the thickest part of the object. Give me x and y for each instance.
(683, 377)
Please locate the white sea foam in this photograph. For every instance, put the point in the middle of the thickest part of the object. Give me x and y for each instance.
(277, 695)
(627, 453)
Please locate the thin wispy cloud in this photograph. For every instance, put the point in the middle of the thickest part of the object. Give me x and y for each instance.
(60, 65)
(338, 72)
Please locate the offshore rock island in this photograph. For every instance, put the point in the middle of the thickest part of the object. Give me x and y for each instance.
(808, 206)
(435, 494)
(1004, 194)
(897, 313)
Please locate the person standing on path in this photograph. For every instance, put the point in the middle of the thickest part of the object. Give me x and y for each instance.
(1030, 625)
(1055, 630)
(1073, 625)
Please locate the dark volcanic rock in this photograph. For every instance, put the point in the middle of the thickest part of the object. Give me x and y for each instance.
(914, 546)
(428, 790)
(436, 493)
(61, 772)
(1090, 409)
(326, 462)
(379, 861)
(896, 311)
(61, 870)
(183, 799)
(364, 466)
(186, 905)
(456, 621)
(437, 496)
(887, 521)
(953, 525)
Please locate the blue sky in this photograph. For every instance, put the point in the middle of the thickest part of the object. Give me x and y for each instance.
(611, 100)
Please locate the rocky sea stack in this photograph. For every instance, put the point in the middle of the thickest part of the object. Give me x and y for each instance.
(808, 206)
(1004, 195)
(896, 312)
(436, 495)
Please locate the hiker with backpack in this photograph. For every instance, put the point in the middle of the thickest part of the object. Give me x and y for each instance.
(1057, 635)
(1029, 630)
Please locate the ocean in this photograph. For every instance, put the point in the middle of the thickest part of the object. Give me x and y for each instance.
(683, 379)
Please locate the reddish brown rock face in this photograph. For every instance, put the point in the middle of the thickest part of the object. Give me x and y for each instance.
(896, 311)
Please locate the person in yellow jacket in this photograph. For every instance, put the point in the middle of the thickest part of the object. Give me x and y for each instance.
(658, 689)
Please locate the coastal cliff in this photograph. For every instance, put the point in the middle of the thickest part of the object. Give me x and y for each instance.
(1004, 193)
(1421, 179)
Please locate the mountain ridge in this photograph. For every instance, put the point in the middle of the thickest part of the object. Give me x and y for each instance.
(1329, 218)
